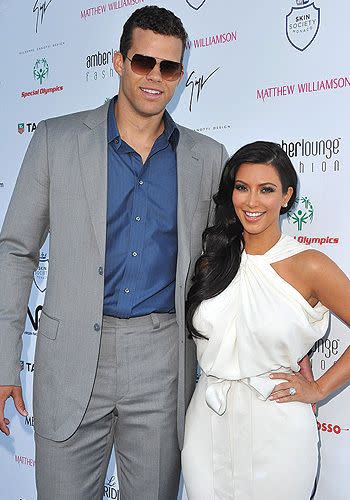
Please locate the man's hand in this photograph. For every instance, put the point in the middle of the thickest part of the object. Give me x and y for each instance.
(15, 392)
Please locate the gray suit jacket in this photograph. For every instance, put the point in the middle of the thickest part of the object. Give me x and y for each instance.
(62, 188)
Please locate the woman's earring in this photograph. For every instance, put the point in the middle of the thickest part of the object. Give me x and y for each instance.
(285, 205)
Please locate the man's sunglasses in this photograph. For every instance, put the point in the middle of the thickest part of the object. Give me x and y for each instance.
(142, 65)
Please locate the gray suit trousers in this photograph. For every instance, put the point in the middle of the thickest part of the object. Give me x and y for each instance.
(133, 407)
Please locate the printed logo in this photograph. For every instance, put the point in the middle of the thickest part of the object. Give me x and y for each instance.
(99, 65)
(304, 213)
(209, 40)
(40, 70)
(197, 84)
(207, 128)
(111, 488)
(29, 420)
(315, 155)
(302, 24)
(39, 10)
(100, 58)
(40, 73)
(108, 8)
(26, 127)
(331, 428)
(325, 353)
(34, 318)
(195, 4)
(324, 85)
(40, 275)
(26, 366)
(22, 460)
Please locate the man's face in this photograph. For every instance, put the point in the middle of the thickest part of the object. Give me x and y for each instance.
(147, 95)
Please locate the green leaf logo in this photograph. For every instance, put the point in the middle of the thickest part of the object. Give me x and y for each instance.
(304, 213)
(40, 70)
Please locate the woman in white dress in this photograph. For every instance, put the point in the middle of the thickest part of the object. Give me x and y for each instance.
(258, 303)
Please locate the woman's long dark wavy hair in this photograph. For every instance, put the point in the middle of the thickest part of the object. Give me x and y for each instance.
(223, 243)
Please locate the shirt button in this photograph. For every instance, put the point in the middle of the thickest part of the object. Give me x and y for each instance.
(116, 140)
(138, 218)
(97, 327)
(140, 182)
(134, 254)
(100, 271)
(126, 290)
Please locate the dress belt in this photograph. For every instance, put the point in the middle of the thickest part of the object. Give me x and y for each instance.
(229, 465)
(217, 388)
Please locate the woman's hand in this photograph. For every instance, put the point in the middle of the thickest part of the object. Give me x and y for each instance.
(296, 388)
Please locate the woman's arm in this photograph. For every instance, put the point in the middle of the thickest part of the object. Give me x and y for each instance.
(330, 286)
(305, 368)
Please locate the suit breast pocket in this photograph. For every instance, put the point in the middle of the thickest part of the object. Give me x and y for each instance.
(48, 326)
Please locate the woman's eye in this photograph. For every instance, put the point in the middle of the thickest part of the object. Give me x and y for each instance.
(240, 187)
(267, 189)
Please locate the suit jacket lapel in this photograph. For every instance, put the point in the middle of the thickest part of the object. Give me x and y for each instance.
(92, 140)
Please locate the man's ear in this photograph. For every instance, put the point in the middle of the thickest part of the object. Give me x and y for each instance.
(118, 62)
(182, 75)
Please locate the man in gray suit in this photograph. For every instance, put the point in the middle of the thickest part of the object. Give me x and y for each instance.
(125, 194)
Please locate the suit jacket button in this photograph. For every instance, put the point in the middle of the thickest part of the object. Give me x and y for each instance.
(97, 327)
(100, 271)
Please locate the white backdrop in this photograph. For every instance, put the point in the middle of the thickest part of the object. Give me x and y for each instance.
(254, 70)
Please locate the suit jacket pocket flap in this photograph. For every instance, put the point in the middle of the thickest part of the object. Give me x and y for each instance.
(48, 326)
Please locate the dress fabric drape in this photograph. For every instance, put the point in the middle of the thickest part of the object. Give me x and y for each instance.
(238, 444)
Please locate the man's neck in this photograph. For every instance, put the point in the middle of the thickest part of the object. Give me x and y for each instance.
(136, 130)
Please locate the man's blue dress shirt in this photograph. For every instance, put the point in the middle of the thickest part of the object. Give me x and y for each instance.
(141, 239)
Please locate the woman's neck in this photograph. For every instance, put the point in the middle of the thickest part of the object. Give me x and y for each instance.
(258, 244)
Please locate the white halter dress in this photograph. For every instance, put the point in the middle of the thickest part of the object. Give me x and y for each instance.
(238, 444)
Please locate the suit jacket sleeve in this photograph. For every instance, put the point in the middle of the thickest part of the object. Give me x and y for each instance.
(23, 233)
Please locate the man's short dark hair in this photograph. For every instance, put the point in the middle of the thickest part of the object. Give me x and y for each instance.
(157, 19)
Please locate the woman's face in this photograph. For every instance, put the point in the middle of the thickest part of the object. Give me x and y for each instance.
(257, 197)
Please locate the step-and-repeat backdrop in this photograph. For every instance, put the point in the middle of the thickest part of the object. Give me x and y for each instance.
(254, 70)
